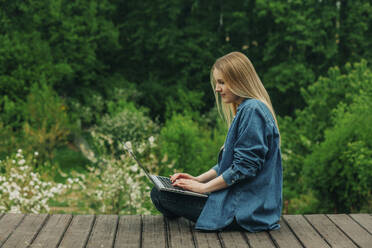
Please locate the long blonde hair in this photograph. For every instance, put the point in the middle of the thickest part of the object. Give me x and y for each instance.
(241, 78)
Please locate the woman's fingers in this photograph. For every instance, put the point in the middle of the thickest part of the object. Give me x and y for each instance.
(177, 176)
(189, 185)
(174, 177)
(178, 182)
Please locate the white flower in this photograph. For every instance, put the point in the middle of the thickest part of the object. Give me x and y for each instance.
(21, 162)
(36, 153)
(19, 150)
(15, 209)
(141, 149)
(128, 145)
(129, 180)
(14, 195)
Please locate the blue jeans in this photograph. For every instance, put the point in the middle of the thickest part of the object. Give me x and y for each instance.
(173, 205)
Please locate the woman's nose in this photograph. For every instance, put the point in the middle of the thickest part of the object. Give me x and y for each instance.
(218, 88)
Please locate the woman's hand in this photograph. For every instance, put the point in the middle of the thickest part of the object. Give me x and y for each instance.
(178, 176)
(190, 184)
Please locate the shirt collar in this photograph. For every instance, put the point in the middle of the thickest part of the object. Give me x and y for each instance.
(242, 103)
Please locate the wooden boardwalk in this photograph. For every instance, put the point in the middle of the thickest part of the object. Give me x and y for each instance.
(70, 231)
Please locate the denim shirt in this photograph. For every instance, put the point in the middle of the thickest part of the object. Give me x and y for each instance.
(251, 166)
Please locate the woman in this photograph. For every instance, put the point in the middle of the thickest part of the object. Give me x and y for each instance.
(246, 185)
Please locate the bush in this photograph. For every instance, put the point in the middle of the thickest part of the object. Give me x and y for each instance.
(127, 125)
(340, 168)
(116, 184)
(46, 123)
(191, 147)
(7, 140)
(306, 144)
(24, 190)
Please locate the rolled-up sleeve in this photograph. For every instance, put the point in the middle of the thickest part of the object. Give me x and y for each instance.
(215, 168)
(250, 148)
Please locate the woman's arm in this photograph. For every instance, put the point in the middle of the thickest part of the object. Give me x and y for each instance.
(207, 176)
(203, 178)
(213, 185)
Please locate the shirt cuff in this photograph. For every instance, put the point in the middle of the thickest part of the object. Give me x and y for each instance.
(215, 168)
(230, 176)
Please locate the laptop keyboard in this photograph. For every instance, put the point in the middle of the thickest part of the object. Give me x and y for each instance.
(168, 183)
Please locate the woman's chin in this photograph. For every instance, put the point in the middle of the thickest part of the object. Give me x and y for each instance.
(224, 100)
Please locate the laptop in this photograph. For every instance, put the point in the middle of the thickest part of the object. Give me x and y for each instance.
(163, 183)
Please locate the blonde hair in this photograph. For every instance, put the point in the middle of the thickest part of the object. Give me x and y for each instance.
(241, 78)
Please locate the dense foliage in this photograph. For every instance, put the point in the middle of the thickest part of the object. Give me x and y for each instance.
(79, 78)
(326, 148)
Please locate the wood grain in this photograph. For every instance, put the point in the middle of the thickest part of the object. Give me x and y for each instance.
(8, 223)
(129, 232)
(334, 236)
(284, 237)
(305, 232)
(52, 232)
(104, 231)
(354, 231)
(78, 232)
(179, 233)
(234, 239)
(153, 233)
(260, 239)
(365, 220)
(25, 233)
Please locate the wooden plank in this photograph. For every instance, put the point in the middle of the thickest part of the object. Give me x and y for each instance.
(354, 231)
(104, 231)
(179, 233)
(153, 232)
(205, 239)
(26, 231)
(78, 232)
(234, 239)
(52, 232)
(329, 231)
(365, 220)
(260, 239)
(284, 236)
(304, 231)
(8, 224)
(129, 232)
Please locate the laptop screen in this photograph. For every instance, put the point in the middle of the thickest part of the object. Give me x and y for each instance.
(138, 162)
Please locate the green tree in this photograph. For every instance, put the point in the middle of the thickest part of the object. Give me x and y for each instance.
(304, 136)
(70, 44)
(339, 170)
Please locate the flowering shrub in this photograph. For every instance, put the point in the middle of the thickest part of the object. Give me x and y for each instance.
(116, 184)
(24, 190)
(127, 125)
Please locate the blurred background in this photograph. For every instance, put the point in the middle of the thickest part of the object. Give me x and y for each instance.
(79, 78)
